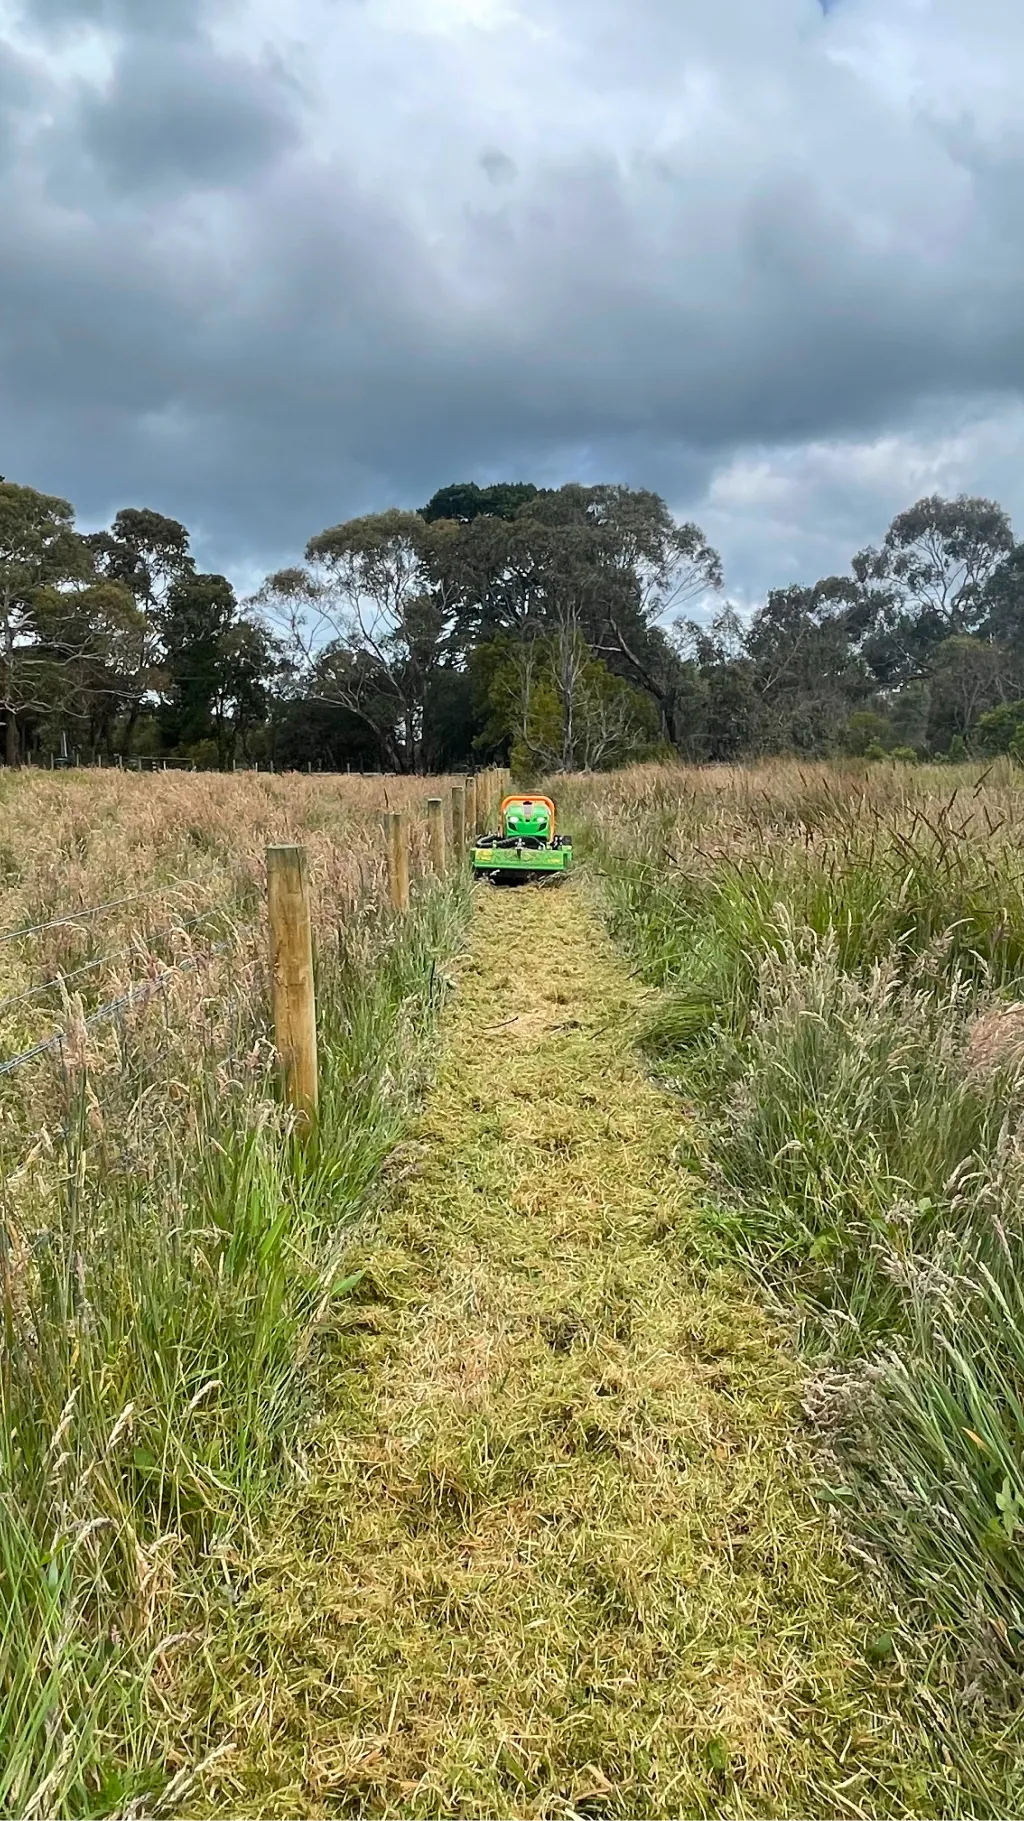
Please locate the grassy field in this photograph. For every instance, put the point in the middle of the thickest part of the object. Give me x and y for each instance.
(597, 1449)
(171, 1267)
(839, 958)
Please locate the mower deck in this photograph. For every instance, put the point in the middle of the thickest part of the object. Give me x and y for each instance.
(516, 859)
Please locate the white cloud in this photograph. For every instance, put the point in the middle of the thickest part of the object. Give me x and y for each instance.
(794, 514)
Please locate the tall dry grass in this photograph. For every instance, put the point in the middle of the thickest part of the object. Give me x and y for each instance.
(841, 958)
(181, 848)
(172, 1265)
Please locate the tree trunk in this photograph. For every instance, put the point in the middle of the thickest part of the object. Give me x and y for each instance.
(648, 681)
(11, 744)
(129, 729)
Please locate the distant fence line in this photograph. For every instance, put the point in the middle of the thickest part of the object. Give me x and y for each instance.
(101, 762)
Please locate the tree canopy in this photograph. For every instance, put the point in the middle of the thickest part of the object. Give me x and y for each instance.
(553, 628)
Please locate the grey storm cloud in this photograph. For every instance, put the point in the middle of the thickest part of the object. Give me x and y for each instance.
(178, 116)
(499, 167)
(266, 266)
(164, 18)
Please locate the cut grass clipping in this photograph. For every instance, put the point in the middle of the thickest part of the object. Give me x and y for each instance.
(552, 1552)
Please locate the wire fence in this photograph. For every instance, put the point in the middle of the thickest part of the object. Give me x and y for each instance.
(83, 761)
(88, 912)
(89, 967)
(146, 989)
(137, 994)
(289, 929)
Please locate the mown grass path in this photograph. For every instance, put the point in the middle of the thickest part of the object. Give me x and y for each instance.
(554, 1552)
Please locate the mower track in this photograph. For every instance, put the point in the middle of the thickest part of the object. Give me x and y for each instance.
(555, 1553)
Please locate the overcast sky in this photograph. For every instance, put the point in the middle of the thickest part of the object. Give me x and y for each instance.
(264, 265)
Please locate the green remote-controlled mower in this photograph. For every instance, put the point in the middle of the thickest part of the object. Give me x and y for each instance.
(528, 846)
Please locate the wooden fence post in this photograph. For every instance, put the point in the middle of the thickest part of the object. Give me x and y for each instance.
(435, 820)
(291, 967)
(398, 860)
(471, 788)
(458, 822)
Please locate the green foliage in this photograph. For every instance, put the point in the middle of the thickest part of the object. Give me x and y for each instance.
(967, 679)
(217, 667)
(450, 719)
(555, 707)
(466, 501)
(931, 580)
(145, 551)
(38, 543)
(866, 734)
(368, 621)
(808, 670)
(376, 654)
(1001, 730)
(40, 553)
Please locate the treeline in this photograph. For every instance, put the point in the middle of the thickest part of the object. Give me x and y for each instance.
(113, 643)
(553, 629)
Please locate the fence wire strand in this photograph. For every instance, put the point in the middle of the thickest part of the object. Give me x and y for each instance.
(89, 967)
(146, 989)
(96, 910)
